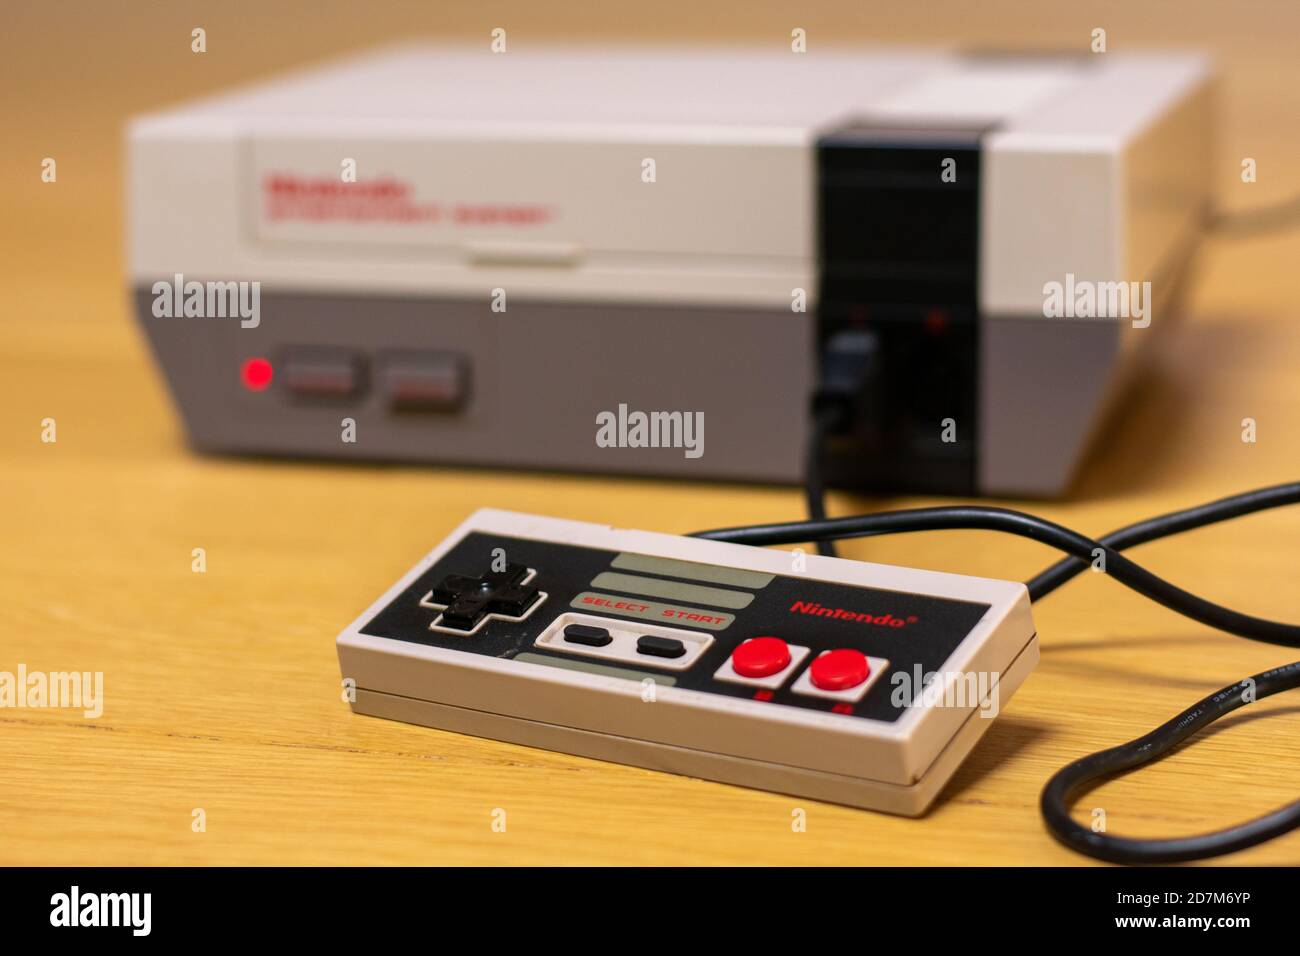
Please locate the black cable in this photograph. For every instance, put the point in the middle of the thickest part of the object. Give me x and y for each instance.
(1071, 780)
(1119, 567)
(814, 487)
(1176, 522)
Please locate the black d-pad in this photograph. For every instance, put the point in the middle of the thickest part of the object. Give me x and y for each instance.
(468, 600)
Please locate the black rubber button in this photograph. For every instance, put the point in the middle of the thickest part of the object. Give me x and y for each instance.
(586, 634)
(468, 600)
(660, 646)
(464, 613)
(512, 601)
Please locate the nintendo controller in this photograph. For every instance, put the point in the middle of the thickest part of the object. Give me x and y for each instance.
(844, 681)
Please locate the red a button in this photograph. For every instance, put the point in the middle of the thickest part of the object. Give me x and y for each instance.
(761, 657)
(839, 669)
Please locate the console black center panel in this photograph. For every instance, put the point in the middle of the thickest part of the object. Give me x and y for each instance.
(898, 328)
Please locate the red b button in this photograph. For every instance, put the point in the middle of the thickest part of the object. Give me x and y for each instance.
(839, 670)
(761, 657)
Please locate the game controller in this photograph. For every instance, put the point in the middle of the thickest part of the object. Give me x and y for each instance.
(844, 681)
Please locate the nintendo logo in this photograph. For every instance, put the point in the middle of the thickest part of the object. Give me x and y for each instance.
(840, 614)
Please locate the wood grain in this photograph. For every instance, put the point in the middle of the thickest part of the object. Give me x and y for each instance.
(222, 689)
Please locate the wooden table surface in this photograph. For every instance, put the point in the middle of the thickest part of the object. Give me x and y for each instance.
(222, 690)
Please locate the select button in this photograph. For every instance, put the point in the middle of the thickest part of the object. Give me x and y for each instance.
(586, 634)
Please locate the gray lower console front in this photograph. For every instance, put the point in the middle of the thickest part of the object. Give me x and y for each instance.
(532, 383)
(537, 377)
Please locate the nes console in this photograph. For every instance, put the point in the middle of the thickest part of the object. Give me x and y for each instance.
(839, 680)
(660, 263)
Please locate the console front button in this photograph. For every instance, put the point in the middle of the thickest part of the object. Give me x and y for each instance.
(321, 373)
(423, 381)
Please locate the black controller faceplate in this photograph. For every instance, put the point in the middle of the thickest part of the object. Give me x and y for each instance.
(932, 627)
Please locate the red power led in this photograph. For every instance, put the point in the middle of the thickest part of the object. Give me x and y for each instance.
(256, 374)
